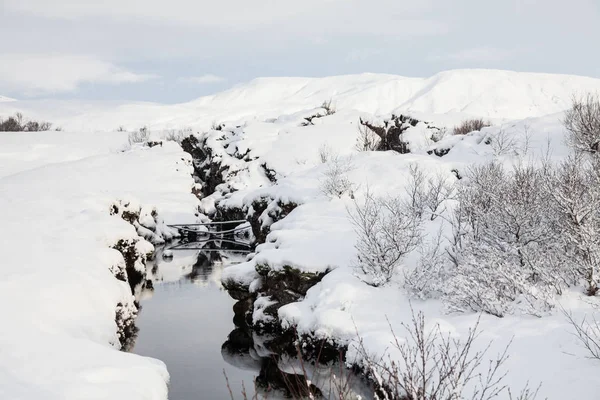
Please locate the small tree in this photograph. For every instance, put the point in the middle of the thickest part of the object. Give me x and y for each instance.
(388, 228)
(582, 122)
(335, 181)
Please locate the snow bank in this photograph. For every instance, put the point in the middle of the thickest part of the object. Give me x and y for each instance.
(58, 296)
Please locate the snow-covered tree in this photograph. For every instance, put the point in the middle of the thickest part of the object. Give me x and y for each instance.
(582, 122)
(574, 188)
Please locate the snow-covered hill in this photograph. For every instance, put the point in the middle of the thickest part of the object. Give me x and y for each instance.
(491, 94)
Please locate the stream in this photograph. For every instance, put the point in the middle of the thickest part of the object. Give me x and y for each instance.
(187, 322)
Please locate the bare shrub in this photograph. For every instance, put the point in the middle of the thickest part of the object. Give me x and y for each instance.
(387, 228)
(434, 366)
(428, 194)
(367, 140)
(587, 332)
(423, 281)
(508, 255)
(177, 135)
(574, 190)
(335, 181)
(582, 122)
(325, 153)
(18, 124)
(140, 136)
(470, 125)
(328, 107)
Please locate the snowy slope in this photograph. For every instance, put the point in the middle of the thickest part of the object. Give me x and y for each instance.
(317, 236)
(486, 93)
(4, 98)
(58, 296)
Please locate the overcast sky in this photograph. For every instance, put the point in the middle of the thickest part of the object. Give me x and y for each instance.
(176, 50)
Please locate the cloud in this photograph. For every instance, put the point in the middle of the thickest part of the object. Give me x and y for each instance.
(206, 79)
(52, 73)
(363, 54)
(477, 54)
(337, 17)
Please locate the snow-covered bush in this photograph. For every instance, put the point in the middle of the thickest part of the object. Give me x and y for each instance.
(335, 181)
(325, 153)
(387, 229)
(582, 122)
(469, 126)
(508, 244)
(427, 195)
(140, 136)
(177, 135)
(423, 281)
(574, 190)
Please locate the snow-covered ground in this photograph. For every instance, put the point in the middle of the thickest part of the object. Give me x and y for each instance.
(58, 296)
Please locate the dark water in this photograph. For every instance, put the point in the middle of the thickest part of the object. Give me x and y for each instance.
(187, 322)
(184, 323)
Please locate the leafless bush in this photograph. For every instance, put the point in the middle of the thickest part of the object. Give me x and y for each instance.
(177, 135)
(574, 192)
(335, 181)
(328, 107)
(367, 140)
(17, 123)
(427, 195)
(470, 125)
(435, 366)
(387, 228)
(503, 142)
(587, 332)
(325, 153)
(423, 281)
(508, 244)
(582, 122)
(140, 136)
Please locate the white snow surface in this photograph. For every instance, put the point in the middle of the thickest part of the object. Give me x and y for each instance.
(57, 295)
(486, 93)
(317, 236)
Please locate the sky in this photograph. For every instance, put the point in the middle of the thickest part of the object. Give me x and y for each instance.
(177, 50)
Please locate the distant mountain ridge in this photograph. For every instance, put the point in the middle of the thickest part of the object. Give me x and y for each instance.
(494, 94)
(490, 93)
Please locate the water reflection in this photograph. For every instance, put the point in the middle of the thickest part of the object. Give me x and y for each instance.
(188, 314)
